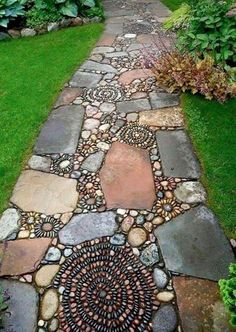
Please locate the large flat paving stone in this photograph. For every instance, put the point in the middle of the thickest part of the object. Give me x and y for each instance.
(61, 132)
(45, 193)
(163, 99)
(128, 76)
(85, 80)
(87, 227)
(195, 245)
(126, 178)
(96, 66)
(22, 309)
(131, 106)
(164, 117)
(22, 256)
(178, 158)
(200, 306)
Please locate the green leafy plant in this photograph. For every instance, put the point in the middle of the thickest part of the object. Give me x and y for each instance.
(4, 297)
(228, 293)
(179, 18)
(210, 32)
(177, 71)
(37, 17)
(10, 9)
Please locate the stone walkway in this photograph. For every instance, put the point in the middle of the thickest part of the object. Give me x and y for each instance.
(107, 228)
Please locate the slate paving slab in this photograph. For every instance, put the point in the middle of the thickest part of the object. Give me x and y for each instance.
(22, 309)
(61, 132)
(178, 158)
(22, 256)
(200, 305)
(85, 80)
(67, 96)
(126, 178)
(195, 245)
(93, 65)
(45, 193)
(131, 106)
(162, 99)
(87, 227)
(128, 76)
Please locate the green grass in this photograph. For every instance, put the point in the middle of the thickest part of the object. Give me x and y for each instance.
(211, 127)
(33, 70)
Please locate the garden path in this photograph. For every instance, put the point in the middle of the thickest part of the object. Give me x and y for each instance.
(107, 228)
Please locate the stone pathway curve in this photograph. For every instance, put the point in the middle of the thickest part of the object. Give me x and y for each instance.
(107, 228)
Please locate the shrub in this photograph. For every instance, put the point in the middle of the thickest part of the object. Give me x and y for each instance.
(228, 293)
(177, 71)
(10, 9)
(210, 31)
(37, 17)
(179, 18)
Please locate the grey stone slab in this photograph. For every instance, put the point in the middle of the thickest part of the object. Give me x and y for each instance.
(22, 307)
(114, 28)
(133, 106)
(178, 158)
(195, 245)
(163, 99)
(40, 163)
(165, 319)
(85, 80)
(87, 227)
(116, 54)
(119, 12)
(93, 65)
(9, 223)
(61, 132)
(93, 162)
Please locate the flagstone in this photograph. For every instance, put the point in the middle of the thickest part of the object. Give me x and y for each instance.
(126, 178)
(163, 99)
(67, 96)
(131, 75)
(61, 132)
(178, 158)
(131, 106)
(92, 65)
(195, 245)
(84, 227)
(106, 40)
(21, 314)
(9, 223)
(200, 306)
(164, 117)
(85, 80)
(45, 193)
(22, 256)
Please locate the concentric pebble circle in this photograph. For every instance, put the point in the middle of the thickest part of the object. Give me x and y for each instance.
(105, 288)
(137, 135)
(106, 93)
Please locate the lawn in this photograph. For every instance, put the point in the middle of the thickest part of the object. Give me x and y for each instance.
(33, 72)
(211, 127)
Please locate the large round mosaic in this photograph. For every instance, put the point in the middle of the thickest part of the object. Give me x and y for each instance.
(105, 93)
(106, 288)
(136, 135)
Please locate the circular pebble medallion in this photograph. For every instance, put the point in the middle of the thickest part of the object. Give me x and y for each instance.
(136, 135)
(106, 93)
(48, 227)
(62, 165)
(106, 288)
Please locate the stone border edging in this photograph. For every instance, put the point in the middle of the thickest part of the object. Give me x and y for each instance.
(54, 26)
